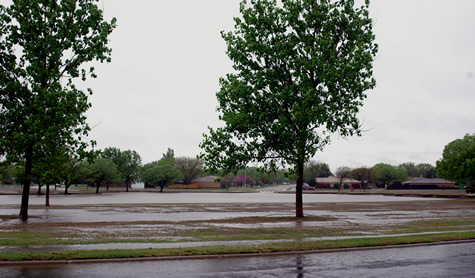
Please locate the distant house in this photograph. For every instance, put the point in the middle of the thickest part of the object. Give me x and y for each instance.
(207, 182)
(328, 182)
(425, 183)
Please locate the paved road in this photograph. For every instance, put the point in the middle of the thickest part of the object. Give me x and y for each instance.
(450, 260)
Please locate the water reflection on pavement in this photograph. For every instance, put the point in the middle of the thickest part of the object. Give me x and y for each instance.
(451, 260)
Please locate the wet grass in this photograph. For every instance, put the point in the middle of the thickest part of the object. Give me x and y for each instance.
(436, 225)
(234, 234)
(55, 241)
(445, 216)
(221, 250)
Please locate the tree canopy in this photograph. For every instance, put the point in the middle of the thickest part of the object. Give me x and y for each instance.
(302, 69)
(128, 164)
(388, 174)
(160, 173)
(103, 170)
(425, 170)
(342, 173)
(365, 175)
(189, 167)
(458, 161)
(43, 48)
(315, 169)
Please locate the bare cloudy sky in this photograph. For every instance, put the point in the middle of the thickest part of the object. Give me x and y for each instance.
(159, 90)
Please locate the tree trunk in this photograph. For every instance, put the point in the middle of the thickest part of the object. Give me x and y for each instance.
(127, 181)
(298, 191)
(107, 187)
(26, 185)
(97, 187)
(47, 195)
(39, 188)
(161, 188)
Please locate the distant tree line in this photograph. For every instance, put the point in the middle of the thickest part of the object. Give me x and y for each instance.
(106, 167)
(380, 174)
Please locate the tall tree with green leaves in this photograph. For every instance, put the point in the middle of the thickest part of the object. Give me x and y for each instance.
(458, 162)
(315, 169)
(388, 174)
(169, 155)
(190, 168)
(103, 170)
(160, 173)
(411, 169)
(302, 69)
(44, 46)
(128, 163)
(72, 170)
(426, 170)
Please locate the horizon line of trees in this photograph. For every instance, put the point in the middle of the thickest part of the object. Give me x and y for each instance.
(379, 174)
(113, 166)
(106, 167)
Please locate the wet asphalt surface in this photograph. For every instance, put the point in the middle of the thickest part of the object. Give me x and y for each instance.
(448, 260)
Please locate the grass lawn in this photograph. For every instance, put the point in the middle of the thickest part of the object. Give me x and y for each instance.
(268, 228)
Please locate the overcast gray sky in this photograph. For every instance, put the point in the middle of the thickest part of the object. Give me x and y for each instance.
(159, 90)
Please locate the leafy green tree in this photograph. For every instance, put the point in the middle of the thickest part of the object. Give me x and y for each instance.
(74, 170)
(170, 154)
(315, 169)
(128, 163)
(70, 172)
(44, 46)
(189, 167)
(279, 177)
(388, 174)
(103, 170)
(47, 165)
(46, 168)
(426, 170)
(4, 169)
(17, 172)
(458, 162)
(411, 168)
(161, 173)
(301, 72)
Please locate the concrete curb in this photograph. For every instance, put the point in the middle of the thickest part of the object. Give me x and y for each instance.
(224, 256)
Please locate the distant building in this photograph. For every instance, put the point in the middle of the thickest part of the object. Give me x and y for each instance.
(329, 182)
(426, 183)
(207, 182)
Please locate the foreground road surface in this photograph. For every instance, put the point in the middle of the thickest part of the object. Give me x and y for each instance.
(448, 260)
